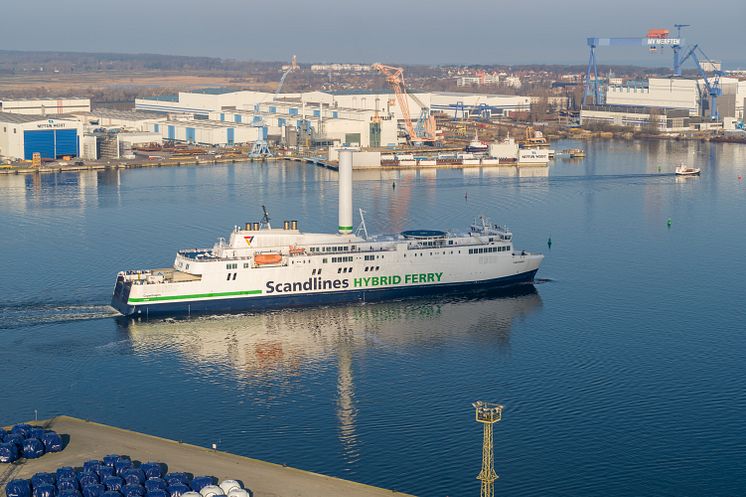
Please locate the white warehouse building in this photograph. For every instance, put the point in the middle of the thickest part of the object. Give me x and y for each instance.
(205, 132)
(679, 93)
(45, 106)
(672, 93)
(23, 135)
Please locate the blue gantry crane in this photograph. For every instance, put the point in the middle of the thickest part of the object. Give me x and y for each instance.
(654, 40)
(712, 86)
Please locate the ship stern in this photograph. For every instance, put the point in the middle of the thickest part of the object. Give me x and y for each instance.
(121, 295)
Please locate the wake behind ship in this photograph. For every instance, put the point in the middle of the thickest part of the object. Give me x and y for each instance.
(260, 267)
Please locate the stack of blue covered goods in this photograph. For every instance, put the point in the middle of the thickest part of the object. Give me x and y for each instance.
(118, 476)
(27, 441)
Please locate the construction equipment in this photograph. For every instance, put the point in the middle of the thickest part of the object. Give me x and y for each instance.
(711, 86)
(487, 414)
(424, 129)
(655, 38)
(291, 68)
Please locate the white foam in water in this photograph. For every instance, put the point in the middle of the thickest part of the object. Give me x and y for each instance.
(31, 314)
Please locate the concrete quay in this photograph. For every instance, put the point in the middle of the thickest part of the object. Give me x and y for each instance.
(90, 440)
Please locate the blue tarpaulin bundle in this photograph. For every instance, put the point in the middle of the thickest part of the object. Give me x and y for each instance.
(111, 493)
(21, 429)
(40, 478)
(36, 432)
(45, 490)
(15, 438)
(152, 469)
(87, 478)
(94, 490)
(91, 465)
(133, 476)
(8, 452)
(67, 484)
(69, 493)
(178, 489)
(18, 488)
(155, 484)
(104, 471)
(157, 492)
(133, 490)
(111, 459)
(172, 478)
(65, 472)
(52, 442)
(199, 482)
(33, 448)
(122, 463)
(113, 483)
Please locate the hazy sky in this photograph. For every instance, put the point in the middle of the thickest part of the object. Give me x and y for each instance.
(407, 31)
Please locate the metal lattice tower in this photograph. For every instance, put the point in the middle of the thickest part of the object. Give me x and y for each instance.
(487, 414)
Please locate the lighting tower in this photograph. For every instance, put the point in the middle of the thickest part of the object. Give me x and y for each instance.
(487, 414)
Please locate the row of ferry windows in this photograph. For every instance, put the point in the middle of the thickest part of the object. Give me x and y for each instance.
(342, 259)
(342, 248)
(486, 250)
(232, 266)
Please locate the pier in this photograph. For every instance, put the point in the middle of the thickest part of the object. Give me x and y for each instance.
(90, 440)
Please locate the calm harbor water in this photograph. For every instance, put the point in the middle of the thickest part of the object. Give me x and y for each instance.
(621, 371)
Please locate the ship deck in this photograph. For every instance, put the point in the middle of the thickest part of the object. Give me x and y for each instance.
(89, 440)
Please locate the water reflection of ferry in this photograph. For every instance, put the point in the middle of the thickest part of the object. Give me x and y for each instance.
(261, 343)
(274, 347)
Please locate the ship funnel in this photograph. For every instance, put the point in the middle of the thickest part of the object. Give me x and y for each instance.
(345, 191)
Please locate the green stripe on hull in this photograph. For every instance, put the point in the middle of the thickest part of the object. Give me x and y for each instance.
(344, 228)
(194, 296)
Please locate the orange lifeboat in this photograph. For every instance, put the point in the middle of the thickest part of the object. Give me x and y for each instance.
(270, 258)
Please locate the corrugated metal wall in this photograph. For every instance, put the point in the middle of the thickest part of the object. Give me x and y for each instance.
(51, 144)
(38, 141)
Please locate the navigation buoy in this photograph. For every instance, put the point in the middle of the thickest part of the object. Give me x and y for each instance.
(393, 185)
(740, 178)
(669, 222)
(549, 243)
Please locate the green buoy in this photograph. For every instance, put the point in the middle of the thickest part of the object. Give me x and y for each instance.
(669, 222)
(549, 243)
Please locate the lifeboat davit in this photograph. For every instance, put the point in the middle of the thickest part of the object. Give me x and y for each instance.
(270, 258)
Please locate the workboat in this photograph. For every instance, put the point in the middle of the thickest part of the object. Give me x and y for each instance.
(682, 170)
(476, 145)
(261, 267)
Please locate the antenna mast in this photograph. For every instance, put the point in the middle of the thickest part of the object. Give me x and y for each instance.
(487, 414)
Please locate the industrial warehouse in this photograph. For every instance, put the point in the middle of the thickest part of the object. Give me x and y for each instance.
(392, 127)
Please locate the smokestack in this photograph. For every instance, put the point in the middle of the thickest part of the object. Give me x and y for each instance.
(345, 191)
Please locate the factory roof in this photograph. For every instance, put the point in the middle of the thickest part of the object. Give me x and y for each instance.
(206, 123)
(38, 99)
(161, 98)
(122, 114)
(9, 117)
(217, 91)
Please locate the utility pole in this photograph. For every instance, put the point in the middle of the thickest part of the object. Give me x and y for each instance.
(487, 414)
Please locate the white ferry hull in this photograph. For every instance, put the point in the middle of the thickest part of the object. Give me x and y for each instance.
(262, 302)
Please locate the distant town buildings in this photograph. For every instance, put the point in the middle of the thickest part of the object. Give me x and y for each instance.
(340, 68)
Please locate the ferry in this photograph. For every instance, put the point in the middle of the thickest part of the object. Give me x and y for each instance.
(260, 267)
